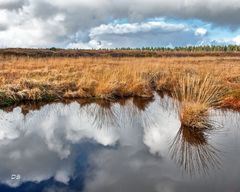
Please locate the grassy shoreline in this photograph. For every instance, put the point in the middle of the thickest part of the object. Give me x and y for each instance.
(49, 79)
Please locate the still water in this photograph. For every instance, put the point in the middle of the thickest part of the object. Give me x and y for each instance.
(131, 145)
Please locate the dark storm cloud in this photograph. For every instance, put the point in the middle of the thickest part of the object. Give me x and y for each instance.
(93, 12)
(3, 27)
(44, 10)
(12, 4)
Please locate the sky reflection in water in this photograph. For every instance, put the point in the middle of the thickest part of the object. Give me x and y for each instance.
(127, 146)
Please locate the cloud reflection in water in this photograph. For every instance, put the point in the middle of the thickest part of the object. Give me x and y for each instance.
(123, 146)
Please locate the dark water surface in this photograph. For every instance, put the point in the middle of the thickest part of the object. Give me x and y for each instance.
(127, 146)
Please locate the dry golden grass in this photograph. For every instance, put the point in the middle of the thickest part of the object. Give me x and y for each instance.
(202, 89)
(29, 79)
(195, 115)
(197, 94)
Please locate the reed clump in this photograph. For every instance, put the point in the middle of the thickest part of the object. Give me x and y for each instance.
(196, 95)
(194, 115)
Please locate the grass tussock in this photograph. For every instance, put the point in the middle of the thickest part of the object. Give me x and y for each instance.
(186, 78)
(197, 94)
(195, 115)
(200, 89)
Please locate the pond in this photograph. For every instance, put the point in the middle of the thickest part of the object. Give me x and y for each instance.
(131, 145)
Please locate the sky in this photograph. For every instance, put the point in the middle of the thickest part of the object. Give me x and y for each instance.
(93, 24)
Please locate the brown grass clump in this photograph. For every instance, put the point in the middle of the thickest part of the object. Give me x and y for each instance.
(194, 115)
(204, 90)
(197, 94)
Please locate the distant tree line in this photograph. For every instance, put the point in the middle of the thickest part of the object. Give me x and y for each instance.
(205, 48)
(193, 51)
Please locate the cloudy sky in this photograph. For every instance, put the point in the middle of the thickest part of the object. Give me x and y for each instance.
(115, 23)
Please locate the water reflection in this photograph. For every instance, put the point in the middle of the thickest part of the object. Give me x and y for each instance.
(191, 150)
(103, 114)
(142, 104)
(114, 146)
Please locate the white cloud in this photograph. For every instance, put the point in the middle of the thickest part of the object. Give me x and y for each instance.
(62, 176)
(151, 33)
(144, 27)
(236, 40)
(201, 31)
(12, 128)
(92, 44)
(226, 41)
